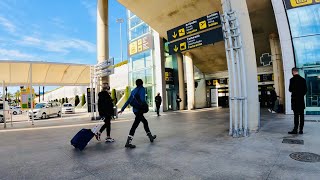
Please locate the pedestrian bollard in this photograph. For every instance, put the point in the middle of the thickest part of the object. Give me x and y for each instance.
(115, 111)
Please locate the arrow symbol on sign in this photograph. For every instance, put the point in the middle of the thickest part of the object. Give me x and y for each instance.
(176, 48)
(174, 35)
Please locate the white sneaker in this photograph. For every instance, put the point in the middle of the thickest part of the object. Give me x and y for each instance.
(274, 112)
(269, 110)
(109, 140)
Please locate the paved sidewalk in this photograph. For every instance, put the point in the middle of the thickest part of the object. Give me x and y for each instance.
(190, 145)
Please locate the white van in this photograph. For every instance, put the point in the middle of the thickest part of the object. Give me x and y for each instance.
(7, 113)
(45, 110)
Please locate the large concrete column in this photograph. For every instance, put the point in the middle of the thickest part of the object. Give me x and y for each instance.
(286, 49)
(160, 70)
(102, 33)
(190, 80)
(241, 9)
(182, 92)
(277, 66)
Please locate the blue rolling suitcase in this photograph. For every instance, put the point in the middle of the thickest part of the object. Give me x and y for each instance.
(82, 138)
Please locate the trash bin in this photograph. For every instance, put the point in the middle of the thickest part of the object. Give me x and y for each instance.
(115, 112)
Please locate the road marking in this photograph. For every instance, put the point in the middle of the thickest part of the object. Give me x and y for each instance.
(56, 127)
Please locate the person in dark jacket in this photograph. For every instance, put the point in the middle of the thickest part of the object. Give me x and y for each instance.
(298, 89)
(141, 92)
(158, 101)
(178, 100)
(273, 98)
(105, 108)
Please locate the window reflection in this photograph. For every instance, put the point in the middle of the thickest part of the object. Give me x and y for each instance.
(305, 21)
(305, 28)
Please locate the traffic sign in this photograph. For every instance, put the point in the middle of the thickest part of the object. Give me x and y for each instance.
(208, 37)
(195, 26)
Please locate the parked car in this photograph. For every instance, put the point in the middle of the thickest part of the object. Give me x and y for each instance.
(68, 108)
(15, 110)
(46, 110)
(7, 113)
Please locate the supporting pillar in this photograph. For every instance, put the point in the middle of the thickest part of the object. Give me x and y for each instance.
(286, 49)
(182, 93)
(159, 70)
(102, 34)
(250, 66)
(190, 80)
(277, 66)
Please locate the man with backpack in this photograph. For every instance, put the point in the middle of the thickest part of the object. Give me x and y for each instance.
(105, 108)
(138, 102)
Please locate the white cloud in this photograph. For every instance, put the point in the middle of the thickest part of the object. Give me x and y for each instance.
(91, 8)
(59, 45)
(9, 54)
(8, 25)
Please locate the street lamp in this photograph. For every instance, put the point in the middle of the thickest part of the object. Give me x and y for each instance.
(120, 21)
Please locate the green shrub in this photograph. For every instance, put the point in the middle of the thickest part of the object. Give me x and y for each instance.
(83, 99)
(76, 100)
(114, 96)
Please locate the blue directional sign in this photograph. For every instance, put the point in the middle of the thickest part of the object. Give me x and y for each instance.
(205, 38)
(195, 26)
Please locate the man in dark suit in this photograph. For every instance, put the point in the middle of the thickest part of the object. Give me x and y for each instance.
(298, 89)
(158, 101)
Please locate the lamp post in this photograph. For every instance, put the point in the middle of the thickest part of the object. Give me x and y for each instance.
(120, 21)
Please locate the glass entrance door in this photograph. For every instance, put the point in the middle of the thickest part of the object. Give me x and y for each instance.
(169, 93)
(312, 77)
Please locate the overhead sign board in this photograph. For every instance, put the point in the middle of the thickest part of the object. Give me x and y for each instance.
(169, 76)
(142, 44)
(299, 3)
(105, 64)
(195, 26)
(195, 41)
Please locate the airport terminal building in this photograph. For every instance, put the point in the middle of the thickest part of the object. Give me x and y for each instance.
(222, 52)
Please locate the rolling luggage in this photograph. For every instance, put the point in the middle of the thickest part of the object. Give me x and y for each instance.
(82, 138)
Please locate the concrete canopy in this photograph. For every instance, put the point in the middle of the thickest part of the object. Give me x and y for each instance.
(167, 14)
(16, 73)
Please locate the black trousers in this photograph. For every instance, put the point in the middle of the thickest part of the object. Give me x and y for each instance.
(158, 109)
(298, 119)
(139, 118)
(272, 104)
(107, 124)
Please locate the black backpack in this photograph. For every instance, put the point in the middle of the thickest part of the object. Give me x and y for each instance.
(142, 106)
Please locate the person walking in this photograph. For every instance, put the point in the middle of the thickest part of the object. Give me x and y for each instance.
(178, 100)
(105, 108)
(158, 101)
(138, 102)
(273, 98)
(298, 89)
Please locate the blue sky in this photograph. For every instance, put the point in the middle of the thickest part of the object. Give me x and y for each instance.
(57, 31)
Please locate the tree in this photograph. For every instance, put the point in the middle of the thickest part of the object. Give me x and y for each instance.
(83, 100)
(17, 95)
(62, 100)
(76, 100)
(114, 96)
(127, 93)
(66, 100)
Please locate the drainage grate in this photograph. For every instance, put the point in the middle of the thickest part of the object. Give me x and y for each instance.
(293, 141)
(305, 157)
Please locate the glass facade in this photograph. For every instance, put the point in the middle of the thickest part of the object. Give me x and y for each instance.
(305, 30)
(141, 65)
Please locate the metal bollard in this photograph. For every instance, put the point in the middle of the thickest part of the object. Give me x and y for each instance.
(115, 111)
